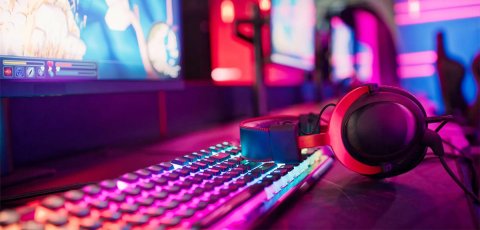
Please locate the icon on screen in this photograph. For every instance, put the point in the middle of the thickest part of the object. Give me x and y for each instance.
(30, 72)
(40, 71)
(19, 71)
(7, 71)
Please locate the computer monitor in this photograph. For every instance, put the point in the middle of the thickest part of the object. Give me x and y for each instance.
(89, 46)
(293, 33)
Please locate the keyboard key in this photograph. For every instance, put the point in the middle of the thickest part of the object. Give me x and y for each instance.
(159, 195)
(143, 173)
(250, 164)
(195, 179)
(204, 175)
(98, 204)
(159, 180)
(191, 158)
(183, 171)
(110, 215)
(171, 176)
(131, 191)
(223, 192)
(116, 197)
(208, 186)
(146, 185)
(213, 171)
(78, 211)
(198, 191)
(221, 168)
(53, 202)
(128, 208)
(154, 211)
(172, 189)
(144, 201)
(199, 155)
(193, 168)
(263, 169)
(170, 221)
(129, 177)
(180, 161)
(170, 205)
(155, 169)
(185, 213)
(57, 219)
(184, 184)
(201, 205)
(184, 198)
(137, 219)
(208, 161)
(108, 185)
(200, 165)
(90, 223)
(91, 189)
(73, 195)
(240, 182)
(32, 225)
(8, 217)
(166, 165)
(220, 156)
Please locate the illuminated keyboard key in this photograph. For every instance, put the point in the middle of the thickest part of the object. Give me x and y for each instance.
(166, 165)
(170, 205)
(159, 180)
(132, 191)
(57, 219)
(91, 189)
(98, 204)
(110, 215)
(137, 219)
(116, 197)
(74, 195)
(143, 173)
(144, 201)
(78, 211)
(8, 217)
(170, 221)
(185, 213)
(90, 223)
(146, 185)
(108, 184)
(154, 211)
(155, 169)
(53, 202)
(129, 177)
(128, 208)
(159, 195)
(220, 156)
(180, 161)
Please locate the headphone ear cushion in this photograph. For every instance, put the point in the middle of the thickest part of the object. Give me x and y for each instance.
(385, 128)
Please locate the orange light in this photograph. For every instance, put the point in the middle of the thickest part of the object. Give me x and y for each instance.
(265, 5)
(227, 11)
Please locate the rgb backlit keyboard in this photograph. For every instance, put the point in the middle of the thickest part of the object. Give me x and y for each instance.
(214, 188)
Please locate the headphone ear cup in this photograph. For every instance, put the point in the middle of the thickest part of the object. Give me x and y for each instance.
(385, 128)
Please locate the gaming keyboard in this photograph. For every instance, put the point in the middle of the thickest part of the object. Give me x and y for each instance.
(215, 188)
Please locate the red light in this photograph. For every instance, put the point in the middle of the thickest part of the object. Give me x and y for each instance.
(227, 11)
(7, 71)
(264, 5)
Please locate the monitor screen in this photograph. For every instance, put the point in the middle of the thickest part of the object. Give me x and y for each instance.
(68, 45)
(293, 33)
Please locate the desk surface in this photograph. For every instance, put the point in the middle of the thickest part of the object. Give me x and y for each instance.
(423, 198)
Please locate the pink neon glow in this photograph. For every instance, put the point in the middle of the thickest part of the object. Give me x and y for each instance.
(226, 74)
(169, 7)
(121, 185)
(415, 58)
(425, 70)
(426, 5)
(265, 5)
(439, 15)
(227, 11)
(368, 35)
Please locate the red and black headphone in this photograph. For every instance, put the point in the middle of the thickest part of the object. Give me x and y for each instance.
(375, 131)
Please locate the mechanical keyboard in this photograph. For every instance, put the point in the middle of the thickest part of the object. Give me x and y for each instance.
(213, 188)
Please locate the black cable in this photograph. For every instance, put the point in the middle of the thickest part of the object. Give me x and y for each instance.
(449, 170)
(317, 123)
(455, 178)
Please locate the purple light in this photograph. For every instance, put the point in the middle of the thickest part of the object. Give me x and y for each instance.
(424, 70)
(121, 185)
(415, 58)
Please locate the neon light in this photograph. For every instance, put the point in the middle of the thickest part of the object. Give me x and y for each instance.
(265, 5)
(414, 58)
(424, 70)
(405, 7)
(226, 74)
(439, 15)
(227, 11)
(414, 8)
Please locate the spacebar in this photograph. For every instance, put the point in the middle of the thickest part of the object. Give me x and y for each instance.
(216, 214)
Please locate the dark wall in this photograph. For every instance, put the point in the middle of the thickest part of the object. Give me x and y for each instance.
(48, 127)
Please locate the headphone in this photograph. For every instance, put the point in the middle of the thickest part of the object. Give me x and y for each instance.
(377, 131)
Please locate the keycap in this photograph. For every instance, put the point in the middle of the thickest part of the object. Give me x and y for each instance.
(208, 186)
(201, 205)
(172, 189)
(220, 156)
(200, 165)
(98, 204)
(8, 217)
(159, 195)
(221, 168)
(240, 182)
(79, 211)
(199, 155)
(171, 176)
(190, 157)
(128, 208)
(154, 211)
(137, 219)
(91, 189)
(143, 173)
(166, 165)
(195, 179)
(232, 174)
(185, 213)
(232, 187)
(208, 161)
(212, 198)
(155, 169)
(213, 171)
(205, 152)
(193, 168)
(116, 197)
(144, 201)
(275, 175)
(32, 225)
(146, 185)
(267, 180)
(204, 175)
(234, 151)
(73, 195)
(184, 198)
(223, 192)
(250, 164)
(57, 219)
(90, 223)
(129, 177)
(170, 221)
(132, 191)
(110, 215)
(198, 191)
(184, 184)
(170, 204)
(108, 185)
(159, 180)
(180, 161)
(53, 202)
(263, 169)
(183, 171)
